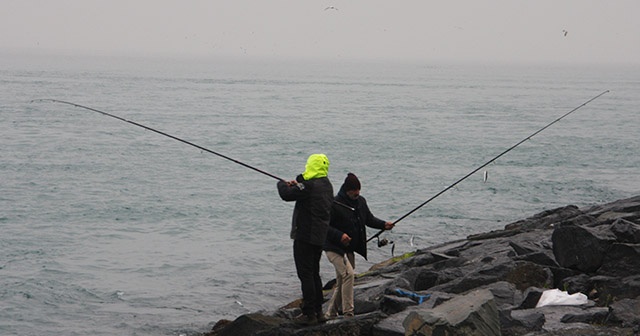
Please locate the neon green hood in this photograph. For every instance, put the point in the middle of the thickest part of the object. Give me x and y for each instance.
(317, 166)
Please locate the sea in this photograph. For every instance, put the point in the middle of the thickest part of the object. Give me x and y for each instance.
(108, 227)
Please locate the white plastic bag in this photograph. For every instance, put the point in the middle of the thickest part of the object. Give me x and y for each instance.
(556, 297)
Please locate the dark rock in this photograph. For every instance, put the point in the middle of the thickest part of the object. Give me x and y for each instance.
(471, 276)
(392, 265)
(626, 312)
(527, 319)
(581, 329)
(560, 274)
(249, 324)
(531, 297)
(628, 206)
(611, 217)
(577, 283)
(581, 220)
(359, 325)
(426, 279)
(628, 209)
(449, 263)
(466, 283)
(621, 260)
(471, 314)
(596, 315)
(526, 274)
(367, 297)
(424, 259)
(504, 294)
(626, 231)
(487, 259)
(407, 279)
(262, 325)
(555, 315)
(545, 219)
(579, 247)
(540, 258)
(401, 282)
(495, 234)
(437, 298)
(520, 249)
(455, 252)
(392, 325)
(391, 304)
(220, 325)
(363, 305)
(609, 289)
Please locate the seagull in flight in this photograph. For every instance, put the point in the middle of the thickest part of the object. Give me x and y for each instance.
(331, 7)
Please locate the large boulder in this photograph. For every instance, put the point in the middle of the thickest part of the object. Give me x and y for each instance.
(627, 312)
(248, 324)
(520, 322)
(628, 209)
(545, 219)
(473, 314)
(579, 247)
(626, 231)
(606, 289)
(621, 260)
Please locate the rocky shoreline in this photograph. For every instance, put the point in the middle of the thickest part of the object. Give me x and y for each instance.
(491, 283)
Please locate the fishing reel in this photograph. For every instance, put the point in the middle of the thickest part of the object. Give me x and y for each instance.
(383, 242)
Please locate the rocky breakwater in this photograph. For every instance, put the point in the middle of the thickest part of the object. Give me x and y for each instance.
(491, 283)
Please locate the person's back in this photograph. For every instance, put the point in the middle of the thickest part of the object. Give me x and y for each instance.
(313, 193)
(312, 211)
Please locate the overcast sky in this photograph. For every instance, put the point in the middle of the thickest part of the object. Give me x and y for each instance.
(423, 30)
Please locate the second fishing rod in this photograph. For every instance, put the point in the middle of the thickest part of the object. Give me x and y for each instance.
(384, 242)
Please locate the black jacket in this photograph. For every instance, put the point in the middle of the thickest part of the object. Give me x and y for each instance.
(312, 211)
(350, 217)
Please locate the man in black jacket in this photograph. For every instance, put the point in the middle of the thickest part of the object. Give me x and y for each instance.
(313, 194)
(347, 234)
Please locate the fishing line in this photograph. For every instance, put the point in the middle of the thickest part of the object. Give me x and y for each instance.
(487, 163)
(161, 133)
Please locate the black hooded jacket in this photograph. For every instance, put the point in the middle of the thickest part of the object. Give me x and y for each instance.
(311, 213)
(350, 217)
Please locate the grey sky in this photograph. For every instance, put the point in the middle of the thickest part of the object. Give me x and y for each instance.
(504, 30)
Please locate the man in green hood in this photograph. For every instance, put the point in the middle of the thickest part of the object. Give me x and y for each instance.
(313, 193)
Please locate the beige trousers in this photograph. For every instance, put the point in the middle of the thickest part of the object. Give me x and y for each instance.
(343, 293)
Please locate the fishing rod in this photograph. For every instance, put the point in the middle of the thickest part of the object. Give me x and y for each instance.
(382, 243)
(161, 133)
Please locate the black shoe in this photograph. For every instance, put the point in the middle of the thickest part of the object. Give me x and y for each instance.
(321, 318)
(306, 320)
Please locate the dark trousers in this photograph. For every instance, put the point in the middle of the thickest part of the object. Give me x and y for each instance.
(307, 258)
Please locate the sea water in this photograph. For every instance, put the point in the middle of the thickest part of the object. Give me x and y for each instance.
(110, 229)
